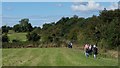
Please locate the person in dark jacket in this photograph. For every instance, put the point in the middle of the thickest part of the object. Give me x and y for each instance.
(70, 45)
(87, 53)
(95, 51)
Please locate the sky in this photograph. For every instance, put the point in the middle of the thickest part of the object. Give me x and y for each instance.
(45, 12)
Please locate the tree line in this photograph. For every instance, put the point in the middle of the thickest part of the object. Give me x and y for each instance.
(102, 30)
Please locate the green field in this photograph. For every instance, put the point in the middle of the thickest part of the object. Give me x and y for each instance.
(52, 57)
(17, 36)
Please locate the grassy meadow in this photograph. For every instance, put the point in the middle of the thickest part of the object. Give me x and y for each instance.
(52, 57)
(17, 36)
(49, 56)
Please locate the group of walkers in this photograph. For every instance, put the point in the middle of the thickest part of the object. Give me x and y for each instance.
(90, 49)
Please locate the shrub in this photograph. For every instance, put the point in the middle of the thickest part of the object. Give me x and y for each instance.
(5, 38)
(33, 36)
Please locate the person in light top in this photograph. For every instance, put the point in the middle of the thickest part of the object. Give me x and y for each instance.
(86, 49)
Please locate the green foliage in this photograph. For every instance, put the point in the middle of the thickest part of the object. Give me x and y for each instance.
(73, 34)
(108, 16)
(47, 26)
(15, 40)
(37, 30)
(16, 28)
(33, 36)
(102, 30)
(113, 33)
(5, 29)
(24, 26)
(5, 38)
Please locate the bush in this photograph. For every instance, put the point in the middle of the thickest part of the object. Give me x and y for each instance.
(15, 40)
(5, 38)
(33, 36)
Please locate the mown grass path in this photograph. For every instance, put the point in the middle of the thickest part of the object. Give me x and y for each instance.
(52, 57)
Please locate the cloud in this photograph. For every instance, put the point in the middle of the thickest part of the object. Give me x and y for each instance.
(90, 6)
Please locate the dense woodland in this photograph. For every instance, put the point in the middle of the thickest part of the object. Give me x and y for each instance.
(102, 30)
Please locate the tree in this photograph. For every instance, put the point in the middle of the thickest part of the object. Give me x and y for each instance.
(17, 28)
(23, 26)
(97, 36)
(5, 38)
(75, 16)
(33, 36)
(5, 29)
(112, 33)
(47, 26)
(37, 30)
(108, 16)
